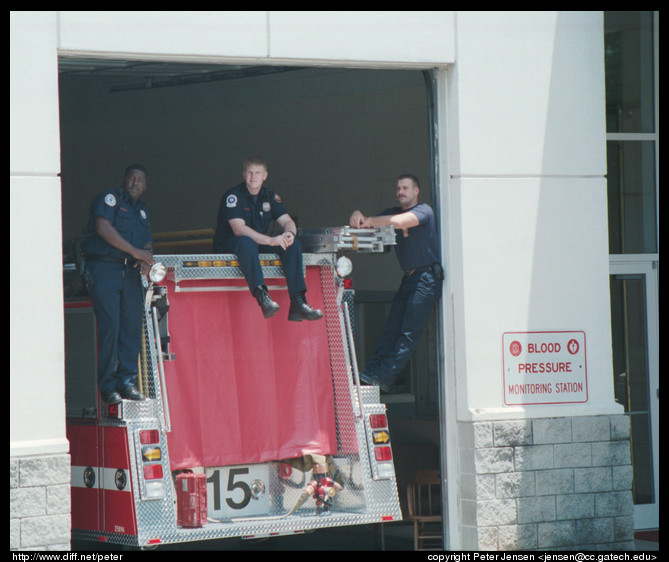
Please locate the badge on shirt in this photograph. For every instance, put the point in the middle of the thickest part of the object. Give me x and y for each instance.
(266, 206)
(110, 200)
(142, 212)
(231, 201)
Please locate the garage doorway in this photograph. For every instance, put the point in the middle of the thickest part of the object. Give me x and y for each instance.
(335, 140)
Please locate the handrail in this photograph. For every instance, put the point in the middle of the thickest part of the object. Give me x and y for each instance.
(354, 360)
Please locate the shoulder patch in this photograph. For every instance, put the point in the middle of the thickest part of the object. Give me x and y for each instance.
(110, 200)
(277, 198)
(231, 201)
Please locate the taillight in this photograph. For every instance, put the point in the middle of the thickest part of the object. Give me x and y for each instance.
(152, 486)
(383, 454)
(377, 421)
(149, 436)
(153, 471)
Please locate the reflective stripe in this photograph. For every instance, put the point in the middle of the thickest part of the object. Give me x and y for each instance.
(114, 479)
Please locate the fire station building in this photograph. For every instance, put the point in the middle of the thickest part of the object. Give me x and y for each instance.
(535, 136)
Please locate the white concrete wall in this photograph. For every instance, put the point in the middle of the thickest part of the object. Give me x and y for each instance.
(378, 38)
(525, 156)
(37, 419)
(39, 463)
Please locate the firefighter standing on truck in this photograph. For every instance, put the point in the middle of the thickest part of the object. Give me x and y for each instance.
(418, 254)
(243, 220)
(117, 248)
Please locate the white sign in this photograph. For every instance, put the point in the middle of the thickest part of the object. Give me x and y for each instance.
(544, 368)
(237, 491)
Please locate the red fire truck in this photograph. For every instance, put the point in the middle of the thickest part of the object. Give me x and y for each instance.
(252, 427)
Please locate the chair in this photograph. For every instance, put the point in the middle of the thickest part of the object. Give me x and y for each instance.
(424, 507)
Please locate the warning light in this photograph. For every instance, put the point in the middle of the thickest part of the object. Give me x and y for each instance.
(381, 437)
(383, 454)
(151, 453)
(149, 436)
(378, 421)
(114, 411)
(153, 471)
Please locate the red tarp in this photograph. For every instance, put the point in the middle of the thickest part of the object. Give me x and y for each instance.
(243, 389)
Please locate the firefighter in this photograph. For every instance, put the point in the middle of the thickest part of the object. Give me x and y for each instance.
(117, 247)
(244, 217)
(417, 251)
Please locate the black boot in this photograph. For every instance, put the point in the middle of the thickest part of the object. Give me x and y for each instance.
(268, 306)
(300, 310)
(130, 392)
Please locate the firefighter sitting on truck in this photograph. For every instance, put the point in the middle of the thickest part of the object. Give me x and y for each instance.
(243, 220)
(117, 247)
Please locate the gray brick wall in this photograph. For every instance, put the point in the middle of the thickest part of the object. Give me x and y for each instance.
(39, 503)
(555, 483)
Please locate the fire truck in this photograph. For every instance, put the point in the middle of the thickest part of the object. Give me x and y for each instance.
(251, 427)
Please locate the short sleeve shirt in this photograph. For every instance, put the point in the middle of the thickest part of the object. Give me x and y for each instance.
(256, 212)
(132, 221)
(421, 246)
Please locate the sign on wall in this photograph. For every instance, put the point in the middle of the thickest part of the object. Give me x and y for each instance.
(544, 368)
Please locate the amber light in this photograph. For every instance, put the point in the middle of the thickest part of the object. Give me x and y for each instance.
(151, 453)
(380, 437)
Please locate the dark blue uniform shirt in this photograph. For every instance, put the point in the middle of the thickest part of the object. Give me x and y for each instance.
(130, 219)
(420, 247)
(257, 213)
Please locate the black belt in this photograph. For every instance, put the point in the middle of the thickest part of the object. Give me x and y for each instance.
(434, 268)
(109, 259)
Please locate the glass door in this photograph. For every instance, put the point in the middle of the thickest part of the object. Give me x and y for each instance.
(632, 131)
(635, 336)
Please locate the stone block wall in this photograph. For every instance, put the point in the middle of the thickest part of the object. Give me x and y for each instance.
(39, 503)
(549, 483)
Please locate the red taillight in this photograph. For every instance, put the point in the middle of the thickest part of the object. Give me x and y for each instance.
(153, 472)
(378, 420)
(154, 541)
(113, 410)
(383, 454)
(149, 436)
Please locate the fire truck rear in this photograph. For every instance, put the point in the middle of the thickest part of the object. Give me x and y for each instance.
(252, 427)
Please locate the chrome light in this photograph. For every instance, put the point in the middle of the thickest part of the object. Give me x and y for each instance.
(344, 266)
(158, 272)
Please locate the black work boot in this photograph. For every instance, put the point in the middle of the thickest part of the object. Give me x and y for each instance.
(130, 392)
(300, 310)
(268, 306)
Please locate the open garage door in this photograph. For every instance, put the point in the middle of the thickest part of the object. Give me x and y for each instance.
(335, 140)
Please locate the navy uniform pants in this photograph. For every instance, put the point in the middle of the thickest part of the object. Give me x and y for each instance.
(117, 296)
(409, 312)
(247, 252)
